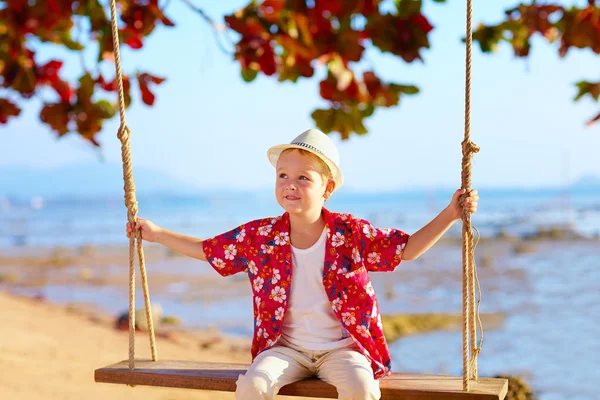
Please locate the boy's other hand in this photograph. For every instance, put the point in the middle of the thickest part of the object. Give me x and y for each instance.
(149, 230)
(469, 204)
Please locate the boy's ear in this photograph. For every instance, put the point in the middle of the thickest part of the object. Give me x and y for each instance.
(329, 188)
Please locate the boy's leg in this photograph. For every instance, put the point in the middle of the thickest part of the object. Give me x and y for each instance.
(271, 370)
(350, 372)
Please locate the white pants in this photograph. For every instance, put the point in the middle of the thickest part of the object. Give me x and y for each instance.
(346, 368)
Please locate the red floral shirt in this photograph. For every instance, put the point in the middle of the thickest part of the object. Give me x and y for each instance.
(262, 249)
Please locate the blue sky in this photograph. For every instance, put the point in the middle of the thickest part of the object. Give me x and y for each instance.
(210, 129)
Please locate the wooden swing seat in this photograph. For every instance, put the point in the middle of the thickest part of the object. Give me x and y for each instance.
(222, 377)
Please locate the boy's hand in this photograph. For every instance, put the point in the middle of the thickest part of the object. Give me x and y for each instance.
(149, 230)
(470, 203)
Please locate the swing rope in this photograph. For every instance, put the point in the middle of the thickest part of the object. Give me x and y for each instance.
(132, 208)
(470, 313)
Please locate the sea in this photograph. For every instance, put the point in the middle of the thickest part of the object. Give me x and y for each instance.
(549, 296)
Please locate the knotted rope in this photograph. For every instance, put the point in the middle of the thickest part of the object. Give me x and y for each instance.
(470, 314)
(132, 208)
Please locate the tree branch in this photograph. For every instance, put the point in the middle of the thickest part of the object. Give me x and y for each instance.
(216, 28)
(79, 40)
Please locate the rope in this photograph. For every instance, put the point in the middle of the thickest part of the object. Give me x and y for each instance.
(132, 208)
(468, 247)
(470, 314)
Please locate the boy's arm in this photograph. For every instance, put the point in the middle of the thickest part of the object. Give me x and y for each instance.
(422, 240)
(187, 245)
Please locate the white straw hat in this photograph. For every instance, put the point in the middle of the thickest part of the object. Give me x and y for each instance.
(318, 143)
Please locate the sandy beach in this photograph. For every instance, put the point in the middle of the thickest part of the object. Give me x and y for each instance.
(51, 351)
(51, 348)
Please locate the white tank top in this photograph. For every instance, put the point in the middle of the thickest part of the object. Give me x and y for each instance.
(309, 321)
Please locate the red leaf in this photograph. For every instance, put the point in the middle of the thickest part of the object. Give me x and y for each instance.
(64, 90)
(348, 45)
(8, 109)
(52, 67)
(369, 7)
(421, 22)
(246, 26)
(372, 82)
(274, 5)
(320, 27)
(267, 60)
(57, 116)
(132, 37)
(147, 95)
(327, 89)
(271, 9)
(108, 86)
(167, 21)
(134, 42)
(155, 79)
(332, 6)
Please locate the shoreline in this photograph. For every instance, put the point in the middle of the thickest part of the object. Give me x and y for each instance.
(44, 359)
(53, 346)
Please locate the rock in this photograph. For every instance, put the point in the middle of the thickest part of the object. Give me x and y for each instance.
(60, 257)
(486, 260)
(518, 389)
(10, 277)
(524, 247)
(401, 325)
(170, 320)
(122, 322)
(87, 250)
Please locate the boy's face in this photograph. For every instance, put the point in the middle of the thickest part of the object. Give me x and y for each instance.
(300, 186)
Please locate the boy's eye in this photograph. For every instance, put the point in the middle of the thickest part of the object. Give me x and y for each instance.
(282, 175)
(302, 177)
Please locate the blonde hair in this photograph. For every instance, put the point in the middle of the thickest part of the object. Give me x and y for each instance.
(324, 169)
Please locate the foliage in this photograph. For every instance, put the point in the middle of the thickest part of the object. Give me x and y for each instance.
(286, 39)
(568, 27)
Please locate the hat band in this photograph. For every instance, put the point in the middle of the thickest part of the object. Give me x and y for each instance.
(308, 146)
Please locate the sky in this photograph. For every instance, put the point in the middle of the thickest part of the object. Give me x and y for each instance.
(210, 129)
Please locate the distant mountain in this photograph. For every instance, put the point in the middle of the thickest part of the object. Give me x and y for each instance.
(85, 180)
(99, 180)
(587, 182)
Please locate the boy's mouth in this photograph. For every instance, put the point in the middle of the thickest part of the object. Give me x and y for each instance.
(290, 197)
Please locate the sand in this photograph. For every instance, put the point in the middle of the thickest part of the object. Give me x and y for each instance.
(50, 352)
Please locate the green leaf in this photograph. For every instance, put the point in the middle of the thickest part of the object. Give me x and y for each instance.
(70, 43)
(249, 74)
(105, 109)
(406, 89)
(408, 7)
(488, 37)
(368, 111)
(357, 121)
(588, 88)
(325, 119)
(86, 88)
(345, 120)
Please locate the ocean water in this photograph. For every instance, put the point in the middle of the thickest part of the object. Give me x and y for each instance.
(75, 222)
(549, 297)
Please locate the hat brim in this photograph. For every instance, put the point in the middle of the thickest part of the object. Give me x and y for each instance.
(274, 152)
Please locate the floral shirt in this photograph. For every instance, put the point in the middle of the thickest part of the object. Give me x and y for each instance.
(262, 249)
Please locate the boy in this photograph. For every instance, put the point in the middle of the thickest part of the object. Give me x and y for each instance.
(325, 321)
